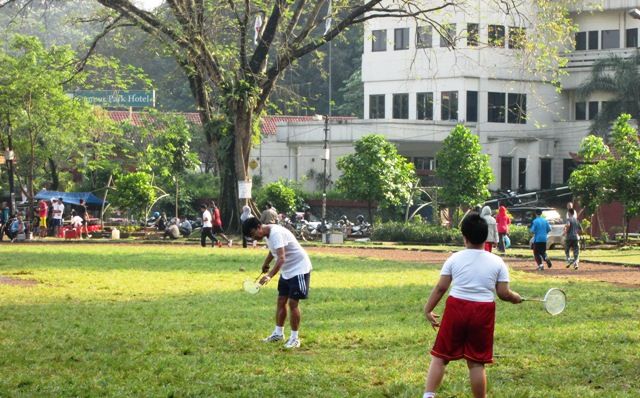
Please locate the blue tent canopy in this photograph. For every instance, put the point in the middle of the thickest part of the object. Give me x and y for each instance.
(71, 197)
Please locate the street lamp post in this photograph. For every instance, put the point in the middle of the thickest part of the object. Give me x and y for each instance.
(325, 159)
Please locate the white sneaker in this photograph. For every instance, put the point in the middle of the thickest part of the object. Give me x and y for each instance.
(292, 343)
(540, 267)
(273, 338)
(230, 243)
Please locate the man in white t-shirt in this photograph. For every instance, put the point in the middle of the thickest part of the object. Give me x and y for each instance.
(294, 266)
(469, 315)
(58, 211)
(207, 228)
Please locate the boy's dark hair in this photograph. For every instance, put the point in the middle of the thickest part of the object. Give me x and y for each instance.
(268, 205)
(203, 206)
(572, 212)
(538, 212)
(250, 224)
(474, 228)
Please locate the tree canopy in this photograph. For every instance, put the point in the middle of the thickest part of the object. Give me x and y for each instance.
(376, 173)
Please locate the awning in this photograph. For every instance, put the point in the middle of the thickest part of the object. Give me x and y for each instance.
(71, 197)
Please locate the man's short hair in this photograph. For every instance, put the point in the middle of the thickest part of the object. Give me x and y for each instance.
(203, 206)
(572, 212)
(538, 212)
(250, 224)
(474, 228)
(268, 205)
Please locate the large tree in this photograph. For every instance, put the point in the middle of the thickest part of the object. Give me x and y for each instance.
(229, 75)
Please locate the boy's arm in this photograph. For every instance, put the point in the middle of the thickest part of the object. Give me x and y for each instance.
(434, 298)
(506, 294)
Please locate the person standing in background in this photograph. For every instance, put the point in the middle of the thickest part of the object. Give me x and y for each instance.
(503, 221)
(492, 236)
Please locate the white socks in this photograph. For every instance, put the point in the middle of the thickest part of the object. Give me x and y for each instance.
(429, 395)
(294, 334)
(279, 330)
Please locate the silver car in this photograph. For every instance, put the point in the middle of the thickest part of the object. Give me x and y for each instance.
(525, 215)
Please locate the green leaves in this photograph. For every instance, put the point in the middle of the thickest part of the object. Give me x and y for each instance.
(464, 170)
(134, 191)
(376, 173)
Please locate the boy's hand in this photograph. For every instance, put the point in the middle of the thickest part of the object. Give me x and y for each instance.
(431, 318)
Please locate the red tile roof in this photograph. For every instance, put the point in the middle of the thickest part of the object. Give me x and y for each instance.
(268, 126)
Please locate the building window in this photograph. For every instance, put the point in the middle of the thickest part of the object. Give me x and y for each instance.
(568, 165)
(448, 36)
(449, 105)
(517, 37)
(424, 106)
(581, 111)
(522, 174)
(517, 106)
(581, 41)
(496, 36)
(425, 163)
(376, 106)
(496, 108)
(401, 106)
(472, 106)
(545, 173)
(401, 39)
(424, 37)
(505, 172)
(632, 38)
(610, 39)
(472, 34)
(593, 40)
(593, 109)
(379, 40)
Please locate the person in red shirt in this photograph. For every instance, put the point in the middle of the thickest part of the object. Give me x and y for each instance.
(43, 210)
(503, 220)
(217, 225)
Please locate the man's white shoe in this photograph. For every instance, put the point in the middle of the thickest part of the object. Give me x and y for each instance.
(273, 338)
(230, 243)
(292, 343)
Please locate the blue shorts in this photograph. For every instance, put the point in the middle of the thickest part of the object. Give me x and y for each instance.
(296, 288)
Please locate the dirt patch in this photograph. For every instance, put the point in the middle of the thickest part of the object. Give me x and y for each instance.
(5, 280)
(619, 275)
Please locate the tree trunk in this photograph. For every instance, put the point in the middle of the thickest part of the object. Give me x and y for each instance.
(55, 179)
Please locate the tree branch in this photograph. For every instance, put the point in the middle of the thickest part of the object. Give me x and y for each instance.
(264, 43)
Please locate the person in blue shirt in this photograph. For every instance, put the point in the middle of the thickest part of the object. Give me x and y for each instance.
(540, 228)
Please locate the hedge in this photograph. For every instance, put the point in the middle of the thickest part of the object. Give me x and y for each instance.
(416, 233)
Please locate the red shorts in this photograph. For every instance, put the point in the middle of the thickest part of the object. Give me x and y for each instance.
(466, 331)
(488, 246)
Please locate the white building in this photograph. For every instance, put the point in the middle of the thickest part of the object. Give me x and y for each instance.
(417, 88)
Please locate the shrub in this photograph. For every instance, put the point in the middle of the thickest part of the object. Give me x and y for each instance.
(416, 233)
(519, 234)
(282, 196)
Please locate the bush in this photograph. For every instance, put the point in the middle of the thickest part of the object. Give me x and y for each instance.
(519, 234)
(282, 196)
(416, 233)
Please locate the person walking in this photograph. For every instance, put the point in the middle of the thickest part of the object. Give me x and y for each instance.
(294, 266)
(492, 236)
(246, 214)
(43, 212)
(84, 214)
(466, 329)
(540, 228)
(217, 225)
(207, 228)
(269, 215)
(503, 221)
(572, 231)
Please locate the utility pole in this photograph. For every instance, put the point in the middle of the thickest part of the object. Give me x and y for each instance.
(9, 155)
(325, 158)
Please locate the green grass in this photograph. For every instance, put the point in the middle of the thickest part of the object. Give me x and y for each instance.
(172, 321)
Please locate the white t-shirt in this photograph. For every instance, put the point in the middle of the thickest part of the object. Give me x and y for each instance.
(206, 219)
(474, 274)
(296, 260)
(58, 206)
(76, 221)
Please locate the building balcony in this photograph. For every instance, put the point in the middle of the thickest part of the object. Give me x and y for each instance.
(580, 61)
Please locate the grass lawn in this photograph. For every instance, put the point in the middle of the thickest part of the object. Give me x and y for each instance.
(163, 321)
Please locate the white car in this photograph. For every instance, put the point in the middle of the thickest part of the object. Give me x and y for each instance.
(525, 215)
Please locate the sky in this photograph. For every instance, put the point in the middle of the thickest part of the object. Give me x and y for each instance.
(148, 4)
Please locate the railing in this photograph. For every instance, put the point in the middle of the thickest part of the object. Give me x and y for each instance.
(586, 59)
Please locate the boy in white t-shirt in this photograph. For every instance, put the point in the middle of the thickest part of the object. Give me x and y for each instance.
(467, 324)
(294, 266)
